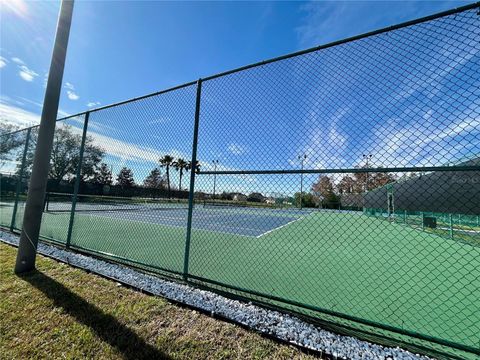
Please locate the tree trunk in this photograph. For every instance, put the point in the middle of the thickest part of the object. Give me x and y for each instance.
(168, 180)
(180, 184)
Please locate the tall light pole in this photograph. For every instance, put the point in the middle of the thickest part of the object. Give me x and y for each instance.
(27, 248)
(367, 157)
(302, 160)
(215, 163)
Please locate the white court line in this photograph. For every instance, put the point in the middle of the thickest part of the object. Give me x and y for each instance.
(281, 226)
(224, 226)
(170, 225)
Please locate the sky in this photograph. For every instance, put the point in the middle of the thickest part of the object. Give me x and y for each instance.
(260, 119)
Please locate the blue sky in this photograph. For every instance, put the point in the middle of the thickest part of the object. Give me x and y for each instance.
(120, 50)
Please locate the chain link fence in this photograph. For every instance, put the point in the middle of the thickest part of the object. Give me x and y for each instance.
(341, 183)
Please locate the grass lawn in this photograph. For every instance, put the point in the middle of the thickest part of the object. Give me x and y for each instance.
(62, 312)
(354, 264)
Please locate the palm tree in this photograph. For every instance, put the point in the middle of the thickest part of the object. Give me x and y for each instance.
(197, 166)
(166, 161)
(180, 165)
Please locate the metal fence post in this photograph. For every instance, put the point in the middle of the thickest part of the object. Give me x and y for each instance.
(77, 180)
(192, 181)
(423, 220)
(20, 178)
(451, 225)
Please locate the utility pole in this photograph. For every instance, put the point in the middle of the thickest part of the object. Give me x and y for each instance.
(215, 163)
(367, 157)
(302, 160)
(27, 248)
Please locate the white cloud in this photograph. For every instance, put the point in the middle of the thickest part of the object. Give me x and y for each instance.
(18, 61)
(72, 96)
(237, 149)
(122, 150)
(160, 120)
(326, 142)
(93, 103)
(3, 62)
(406, 146)
(36, 103)
(26, 73)
(16, 115)
(10, 114)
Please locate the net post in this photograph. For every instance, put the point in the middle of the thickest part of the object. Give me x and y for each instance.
(20, 178)
(192, 181)
(77, 180)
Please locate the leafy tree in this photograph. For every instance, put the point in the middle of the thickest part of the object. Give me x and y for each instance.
(181, 166)
(65, 154)
(65, 157)
(9, 141)
(154, 180)
(103, 176)
(369, 181)
(92, 157)
(308, 200)
(381, 179)
(125, 178)
(361, 182)
(323, 187)
(346, 185)
(166, 162)
(324, 190)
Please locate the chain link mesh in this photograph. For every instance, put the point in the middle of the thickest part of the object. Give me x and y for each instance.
(342, 184)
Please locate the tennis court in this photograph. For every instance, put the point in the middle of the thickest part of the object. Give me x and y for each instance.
(395, 136)
(228, 219)
(380, 271)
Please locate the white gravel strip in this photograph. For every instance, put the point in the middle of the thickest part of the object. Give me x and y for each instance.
(282, 326)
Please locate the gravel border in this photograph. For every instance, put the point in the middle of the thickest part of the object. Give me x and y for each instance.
(285, 327)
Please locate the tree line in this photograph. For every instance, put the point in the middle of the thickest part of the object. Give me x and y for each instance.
(326, 193)
(65, 160)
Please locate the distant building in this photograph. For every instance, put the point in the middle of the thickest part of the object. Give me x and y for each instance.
(270, 200)
(256, 197)
(239, 197)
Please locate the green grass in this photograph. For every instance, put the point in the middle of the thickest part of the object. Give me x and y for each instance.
(361, 266)
(62, 312)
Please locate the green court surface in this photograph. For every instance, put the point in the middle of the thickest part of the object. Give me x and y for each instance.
(346, 262)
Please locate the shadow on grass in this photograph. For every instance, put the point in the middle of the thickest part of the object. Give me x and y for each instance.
(105, 326)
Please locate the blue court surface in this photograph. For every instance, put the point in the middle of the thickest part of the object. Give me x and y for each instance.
(245, 222)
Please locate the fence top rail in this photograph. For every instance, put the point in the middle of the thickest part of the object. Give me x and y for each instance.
(282, 57)
(349, 171)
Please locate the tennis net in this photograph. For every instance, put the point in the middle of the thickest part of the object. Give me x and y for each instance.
(62, 202)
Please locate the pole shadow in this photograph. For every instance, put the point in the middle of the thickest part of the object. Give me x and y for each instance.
(104, 325)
